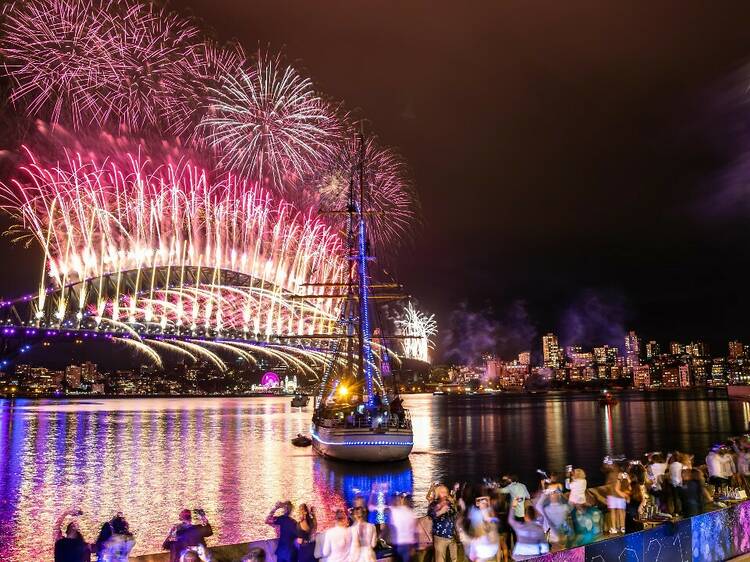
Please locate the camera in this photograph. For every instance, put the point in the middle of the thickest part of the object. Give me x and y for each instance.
(199, 512)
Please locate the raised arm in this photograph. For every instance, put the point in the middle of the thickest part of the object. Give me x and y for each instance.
(271, 520)
(57, 531)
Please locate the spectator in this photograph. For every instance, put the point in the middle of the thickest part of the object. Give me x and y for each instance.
(115, 540)
(364, 537)
(70, 546)
(307, 525)
(518, 495)
(530, 537)
(186, 536)
(337, 541)
(403, 529)
(286, 550)
(442, 512)
(576, 483)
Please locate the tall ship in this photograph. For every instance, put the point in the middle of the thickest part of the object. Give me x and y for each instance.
(359, 415)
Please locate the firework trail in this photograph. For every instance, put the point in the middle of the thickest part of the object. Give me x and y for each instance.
(126, 216)
(421, 330)
(269, 124)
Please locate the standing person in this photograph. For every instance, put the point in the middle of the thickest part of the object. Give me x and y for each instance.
(403, 529)
(364, 537)
(728, 466)
(743, 462)
(555, 510)
(530, 538)
(186, 536)
(337, 541)
(618, 495)
(478, 532)
(307, 524)
(518, 495)
(501, 506)
(656, 469)
(286, 551)
(115, 540)
(576, 483)
(715, 467)
(442, 512)
(694, 494)
(70, 546)
(636, 501)
(672, 488)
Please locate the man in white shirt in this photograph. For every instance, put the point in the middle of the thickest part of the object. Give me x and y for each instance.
(403, 529)
(715, 466)
(675, 471)
(517, 491)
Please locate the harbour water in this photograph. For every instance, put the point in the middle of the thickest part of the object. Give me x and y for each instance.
(233, 457)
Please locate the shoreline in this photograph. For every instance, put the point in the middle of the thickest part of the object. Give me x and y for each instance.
(513, 393)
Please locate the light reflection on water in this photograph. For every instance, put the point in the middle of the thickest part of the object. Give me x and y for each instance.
(233, 457)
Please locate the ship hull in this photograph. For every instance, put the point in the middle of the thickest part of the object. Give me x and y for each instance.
(362, 445)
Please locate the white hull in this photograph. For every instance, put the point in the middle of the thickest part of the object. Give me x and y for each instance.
(361, 444)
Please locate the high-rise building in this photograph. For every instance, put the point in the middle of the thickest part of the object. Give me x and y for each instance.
(73, 377)
(491, 368)
(676, 348)
(605, 355)
(524, 358)
(632, 349)
(736, 349)
(88, 372)
(642, 376)
(684, 372)
(652, 349)
(551, 352)
(697, 349)
(718, 372)
(670, 377)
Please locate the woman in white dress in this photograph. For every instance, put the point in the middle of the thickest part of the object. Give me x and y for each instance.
(337, 541)
(364, 537)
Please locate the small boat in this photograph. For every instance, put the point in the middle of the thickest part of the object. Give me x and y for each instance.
(438, 393)
(301, 441)
(300, 401)
(607, 399)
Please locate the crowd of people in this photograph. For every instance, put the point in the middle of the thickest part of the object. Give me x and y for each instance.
(494, 521)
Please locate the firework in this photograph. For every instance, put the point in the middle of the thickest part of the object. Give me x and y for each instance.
(50, 50)
(268, 124)
(111, 63)
(420, 330)
(158, 245)
(390, 199)
(163, 213)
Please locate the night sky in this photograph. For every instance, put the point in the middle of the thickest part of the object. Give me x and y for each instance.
(571, 158)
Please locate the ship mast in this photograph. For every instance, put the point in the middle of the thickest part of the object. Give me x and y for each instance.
(366, 358)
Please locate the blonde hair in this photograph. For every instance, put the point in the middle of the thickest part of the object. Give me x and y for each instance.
(579, 474)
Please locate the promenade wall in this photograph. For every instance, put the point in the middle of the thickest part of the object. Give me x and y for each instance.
(711, 537)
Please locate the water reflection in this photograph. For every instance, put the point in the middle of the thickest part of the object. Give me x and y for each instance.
(233, 457)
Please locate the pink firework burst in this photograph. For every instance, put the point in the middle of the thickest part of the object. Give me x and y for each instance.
(390, 196)
(50, 49)
(269, 124)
